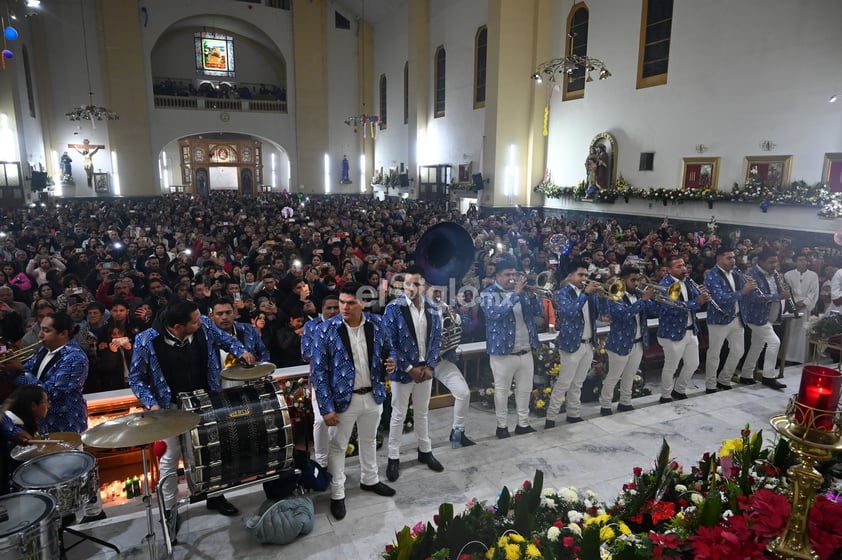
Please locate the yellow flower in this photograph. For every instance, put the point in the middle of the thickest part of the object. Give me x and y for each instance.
(598, 519)
(503, 541)
(624, 529)
(730, 446)
(350, 449)
(516, 538)
(512, 552)
(606, 534)
(532, 552)
(490, 554)
(540, 403)
(548, 390)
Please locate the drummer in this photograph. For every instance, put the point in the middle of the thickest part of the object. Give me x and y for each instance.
(180, 354)
(25, 408)
(223, 315)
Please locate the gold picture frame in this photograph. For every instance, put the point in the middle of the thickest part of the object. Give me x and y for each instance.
(700, 173)
(832, 172)
(771, 171)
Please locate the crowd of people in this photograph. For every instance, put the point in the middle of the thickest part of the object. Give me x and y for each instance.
(181, 88)
(158, 294)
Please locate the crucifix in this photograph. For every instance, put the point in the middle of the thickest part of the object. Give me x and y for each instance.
(87, 150)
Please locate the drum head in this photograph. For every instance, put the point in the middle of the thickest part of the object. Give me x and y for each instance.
(24, 509)
(51, 470)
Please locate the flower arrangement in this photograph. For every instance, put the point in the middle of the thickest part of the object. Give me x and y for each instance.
(731, 505)
(798, 193)
(826, 326)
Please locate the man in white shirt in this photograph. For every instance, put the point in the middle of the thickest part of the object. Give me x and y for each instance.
(804, 284)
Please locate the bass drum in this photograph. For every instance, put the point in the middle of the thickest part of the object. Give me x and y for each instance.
(29, 527)
(245, 435)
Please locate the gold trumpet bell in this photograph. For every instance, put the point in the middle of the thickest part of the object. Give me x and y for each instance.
(616, 290)
(21, 354)
(674, 291)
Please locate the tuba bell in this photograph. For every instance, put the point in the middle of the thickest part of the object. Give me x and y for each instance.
(446, 251)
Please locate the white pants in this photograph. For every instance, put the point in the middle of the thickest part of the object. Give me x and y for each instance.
(674, 351)
(733, 332)
(449, 375)
(321, 432)
(622, 369)
(365, 413)
(420, 393)
(167, 465)
(573, 371)
(505, 369)
(762, 335)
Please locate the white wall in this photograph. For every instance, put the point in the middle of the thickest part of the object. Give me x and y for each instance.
(739, 73)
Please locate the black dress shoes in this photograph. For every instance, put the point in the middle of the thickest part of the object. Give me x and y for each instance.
(173, 521)
(337, 508)
(624, 407)
(428, 459)
(676, 396)
(723, 386)
(393, 470)
(223, 506)
(549, 424)
(502, 433)
(464, 439)
(605, 411)
(711, 391)
(380, 489)
(574, 419)
(747, 381)
(665, 400)
(520, 430)
(773, 383)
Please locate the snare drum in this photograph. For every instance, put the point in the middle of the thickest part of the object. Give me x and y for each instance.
(29, 527)
(71, 477)
(245, 434)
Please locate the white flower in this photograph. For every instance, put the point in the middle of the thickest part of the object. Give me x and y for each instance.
(547, 503)
(680, 488)
(727, 513)
(600, 511)
(548, 492)
(588, 503)
(633, 492)
(575, 529)
(696, 498)
(574, 516)
(591, 494)
(568, 494)
(604, 553)
(553, 533)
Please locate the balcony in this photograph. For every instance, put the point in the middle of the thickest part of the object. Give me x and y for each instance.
(217, 104)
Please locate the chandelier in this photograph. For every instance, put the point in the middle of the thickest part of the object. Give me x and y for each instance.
(89, 112)
(550, 69)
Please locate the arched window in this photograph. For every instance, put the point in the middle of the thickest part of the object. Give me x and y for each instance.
(655, 36)
(383, 110)
(480, 59)
(406, 93)
(577, 43)
(439, 81)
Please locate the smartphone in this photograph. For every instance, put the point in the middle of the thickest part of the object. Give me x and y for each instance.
(107, 265)
(78, 250)
(77, 291)
(237, 296)
(262, 251)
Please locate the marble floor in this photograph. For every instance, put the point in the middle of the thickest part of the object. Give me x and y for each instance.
(598, 454)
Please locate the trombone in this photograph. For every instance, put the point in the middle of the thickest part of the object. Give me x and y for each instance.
(21, 354)
(667, 295)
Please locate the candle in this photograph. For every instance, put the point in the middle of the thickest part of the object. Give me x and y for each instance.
(820, 389)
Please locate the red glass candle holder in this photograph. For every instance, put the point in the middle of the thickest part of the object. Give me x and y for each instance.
(818, 397)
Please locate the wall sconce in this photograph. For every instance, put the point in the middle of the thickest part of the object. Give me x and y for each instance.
(767, 145)
(701, 148)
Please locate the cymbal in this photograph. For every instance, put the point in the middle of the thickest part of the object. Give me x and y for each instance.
(242, 372)
(140, 428)
(58, 442)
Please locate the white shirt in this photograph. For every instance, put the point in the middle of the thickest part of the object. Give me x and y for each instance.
(835, 290)
(729, 275)
(419, 323)
(359, 349)
(46, 361)
(805, 287)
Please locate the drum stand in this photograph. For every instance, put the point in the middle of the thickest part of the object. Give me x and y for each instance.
(147, 502)
(83, 537)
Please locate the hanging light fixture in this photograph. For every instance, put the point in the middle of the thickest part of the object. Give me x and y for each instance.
(551, 69)
(89, 112)
(367, 125)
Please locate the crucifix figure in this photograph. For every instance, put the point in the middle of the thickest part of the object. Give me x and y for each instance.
(87, 150)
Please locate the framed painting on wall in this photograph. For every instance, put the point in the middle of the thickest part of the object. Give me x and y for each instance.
(832, 173)
(770, 171)
(700, 173)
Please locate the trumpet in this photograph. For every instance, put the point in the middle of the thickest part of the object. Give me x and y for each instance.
(702, 289)
(614, 291)
(666, 295)
(21, 354)
(544, 291)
